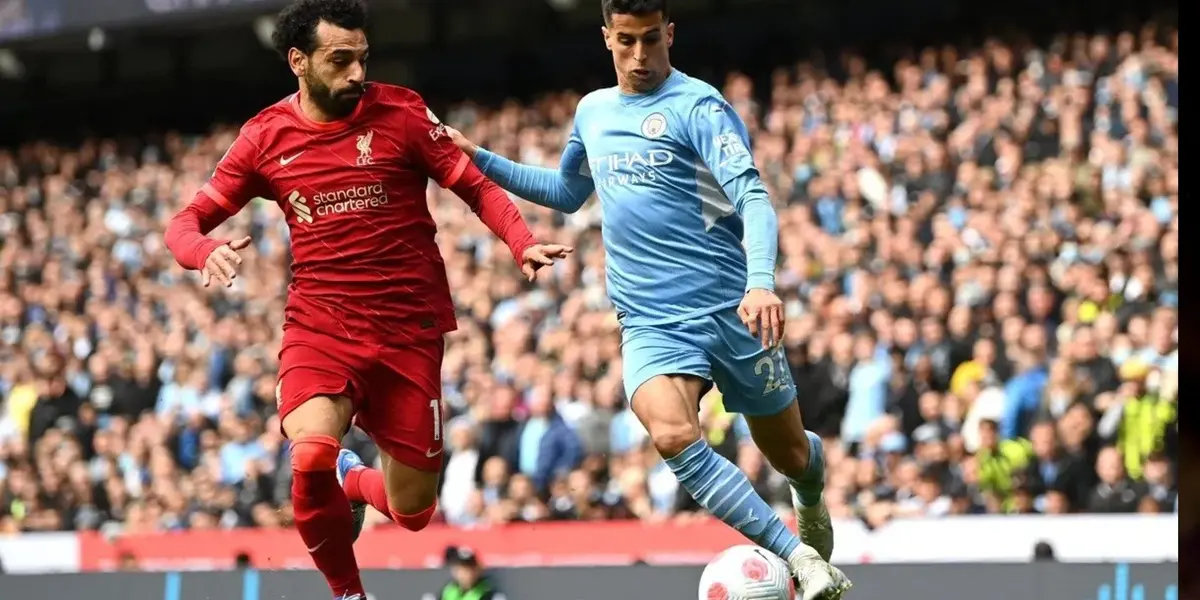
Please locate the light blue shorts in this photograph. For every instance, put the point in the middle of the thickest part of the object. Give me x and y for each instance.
(717, 347)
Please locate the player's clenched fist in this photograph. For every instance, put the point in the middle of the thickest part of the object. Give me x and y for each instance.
(541, 255)
(461, 141)
(762, 312)
(222, 263)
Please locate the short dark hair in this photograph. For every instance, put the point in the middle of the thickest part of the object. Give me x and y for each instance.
(296, 25)
(639, 8)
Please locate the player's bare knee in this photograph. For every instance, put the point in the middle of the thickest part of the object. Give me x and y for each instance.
(319, 416)
(668, 412)
(671, 439)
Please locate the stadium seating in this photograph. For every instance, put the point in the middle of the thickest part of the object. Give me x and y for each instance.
(979, 256)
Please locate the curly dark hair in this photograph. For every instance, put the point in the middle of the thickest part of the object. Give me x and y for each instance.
(296, 26)
(638, 8)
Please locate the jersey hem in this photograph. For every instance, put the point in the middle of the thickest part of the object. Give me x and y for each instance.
(644, 322)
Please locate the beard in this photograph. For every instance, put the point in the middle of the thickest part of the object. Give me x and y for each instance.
(335, 103)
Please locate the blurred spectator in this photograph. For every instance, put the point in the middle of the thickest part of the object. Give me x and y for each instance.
(1000, 462)
(1144, 414)
(1052, 470)
(128, 562)
(458, 480)
(1116, 492)
(548, 448)
(1043, 552)
(467, 579)
(978, 257)
(1161, 483)
(1023, 393)
(867, 388)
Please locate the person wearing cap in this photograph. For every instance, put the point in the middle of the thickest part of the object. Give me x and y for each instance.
(467, 579)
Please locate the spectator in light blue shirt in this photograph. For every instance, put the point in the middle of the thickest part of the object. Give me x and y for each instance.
(1023, 395)
(239, 452)
(179, 399)
(868, 388)
(626, 432)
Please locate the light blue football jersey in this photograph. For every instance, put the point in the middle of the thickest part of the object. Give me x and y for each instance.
(677, 184)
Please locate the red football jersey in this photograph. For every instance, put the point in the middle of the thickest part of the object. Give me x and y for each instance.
(365, 264)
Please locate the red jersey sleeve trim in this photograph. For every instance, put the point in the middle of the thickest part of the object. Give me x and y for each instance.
(216, 196)
(459, 168)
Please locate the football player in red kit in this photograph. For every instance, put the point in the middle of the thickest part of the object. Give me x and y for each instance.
(349, 162)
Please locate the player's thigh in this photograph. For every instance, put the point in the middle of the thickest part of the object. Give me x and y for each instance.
(668, 407)
(753, 380)
(666, 372)
(403, 409)
(648, 352)
(317, 391)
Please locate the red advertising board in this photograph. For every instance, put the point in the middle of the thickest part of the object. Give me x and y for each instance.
(390, 547)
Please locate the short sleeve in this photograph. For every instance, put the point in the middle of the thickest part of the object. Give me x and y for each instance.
(434, 151)
(236, 180)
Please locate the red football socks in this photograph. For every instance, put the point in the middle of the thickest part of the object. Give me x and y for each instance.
(323, 514)
(364, 484)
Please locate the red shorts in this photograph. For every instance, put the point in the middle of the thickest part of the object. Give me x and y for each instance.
(396, 391)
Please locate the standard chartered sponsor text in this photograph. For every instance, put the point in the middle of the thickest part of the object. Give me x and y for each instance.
(350, 199)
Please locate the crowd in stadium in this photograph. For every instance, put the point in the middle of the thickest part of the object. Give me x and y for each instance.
(978, 252)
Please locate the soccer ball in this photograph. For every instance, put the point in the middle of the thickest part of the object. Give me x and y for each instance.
(746, 573)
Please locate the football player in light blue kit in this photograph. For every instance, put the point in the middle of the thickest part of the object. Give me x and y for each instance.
(670, 162)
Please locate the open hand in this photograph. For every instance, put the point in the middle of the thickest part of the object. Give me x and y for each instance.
(541, 255)
(222, 263)
(461, 141)
(762, 312)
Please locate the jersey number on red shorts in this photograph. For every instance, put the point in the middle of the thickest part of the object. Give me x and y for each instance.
(436, 405)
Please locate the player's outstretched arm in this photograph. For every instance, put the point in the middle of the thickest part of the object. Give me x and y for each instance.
(564, 189)
(496, 211)
(187, 234)
(187, 239)
(720, 138)
(452, 169)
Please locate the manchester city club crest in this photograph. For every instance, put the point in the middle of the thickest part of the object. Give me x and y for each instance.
(654, 126)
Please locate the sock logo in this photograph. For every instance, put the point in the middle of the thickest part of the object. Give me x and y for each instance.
(318, 546)
(746, 521)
